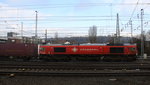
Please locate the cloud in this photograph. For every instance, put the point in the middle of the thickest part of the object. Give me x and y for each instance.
(11, 18)
(128, 9)
(88, 4)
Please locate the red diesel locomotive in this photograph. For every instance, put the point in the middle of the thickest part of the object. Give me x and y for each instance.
(89, 51)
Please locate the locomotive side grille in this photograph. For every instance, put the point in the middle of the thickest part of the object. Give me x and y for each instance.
(116, 50)
(59, 49)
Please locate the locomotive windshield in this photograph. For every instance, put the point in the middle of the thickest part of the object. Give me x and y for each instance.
(132, 49)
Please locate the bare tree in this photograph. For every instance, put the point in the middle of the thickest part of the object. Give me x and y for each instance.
(147, 36)
(56, 37)
(147, 43)
(93, 34)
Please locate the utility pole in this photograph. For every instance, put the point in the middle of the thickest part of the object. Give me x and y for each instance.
(117, 30)
(142, 35)
(36, 19)
(36, 23)
(22, 29)
(46, 36)
(131, 31)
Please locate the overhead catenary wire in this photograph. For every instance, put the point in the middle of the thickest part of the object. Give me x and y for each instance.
(130, 19)
(45, 6)
(61, 20)
(134, 9)
(71, 4)
(85, 16)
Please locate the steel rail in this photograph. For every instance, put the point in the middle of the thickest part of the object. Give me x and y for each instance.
(101, 73)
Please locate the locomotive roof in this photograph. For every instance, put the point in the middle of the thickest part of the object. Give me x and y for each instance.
(125, 44)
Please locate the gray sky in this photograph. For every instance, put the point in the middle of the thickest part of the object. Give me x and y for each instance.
(72, 17)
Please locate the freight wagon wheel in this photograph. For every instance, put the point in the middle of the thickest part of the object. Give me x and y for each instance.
(11, 58)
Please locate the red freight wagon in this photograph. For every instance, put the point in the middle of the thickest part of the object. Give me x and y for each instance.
(18, 50)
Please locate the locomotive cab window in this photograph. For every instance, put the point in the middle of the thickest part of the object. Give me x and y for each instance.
(116, 50)
(42, 49)
(59, 49)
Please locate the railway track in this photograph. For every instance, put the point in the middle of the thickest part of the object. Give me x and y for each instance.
(74, 65)
(91, 67)
(76, 68)
(76, 73)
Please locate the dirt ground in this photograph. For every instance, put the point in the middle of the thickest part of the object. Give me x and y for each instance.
(50, 80)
